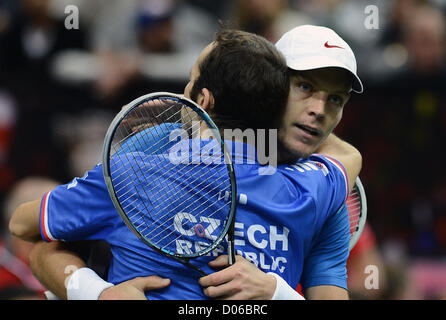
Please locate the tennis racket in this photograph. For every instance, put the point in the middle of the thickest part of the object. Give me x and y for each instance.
(357, 212)
(170, 177)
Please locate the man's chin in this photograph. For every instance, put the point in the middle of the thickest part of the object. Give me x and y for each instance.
(291, 153)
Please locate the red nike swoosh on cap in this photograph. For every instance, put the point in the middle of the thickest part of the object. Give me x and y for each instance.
(329, 46)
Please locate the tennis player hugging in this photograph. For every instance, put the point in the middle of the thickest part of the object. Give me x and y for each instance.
(291, 226)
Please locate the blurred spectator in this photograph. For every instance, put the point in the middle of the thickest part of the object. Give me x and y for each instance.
(424, 36)
(399, 285)
(16, 279)
(28, 44)
(429, 278)
(269, 18)
(155, 25)
(401, 12)
(397, 122)
(366, 253)
(396, 46)
(31, 40)
(84, 134)
(140, 43)
(118, 23)
(8, 118)
(419, 89)
(321, 11)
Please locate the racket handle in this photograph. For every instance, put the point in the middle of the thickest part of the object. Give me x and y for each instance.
(187, 262)
(231, 253)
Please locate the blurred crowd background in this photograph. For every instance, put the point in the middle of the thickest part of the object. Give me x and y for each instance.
(60, 88)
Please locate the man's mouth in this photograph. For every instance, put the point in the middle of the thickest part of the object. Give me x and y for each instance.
(310, 130)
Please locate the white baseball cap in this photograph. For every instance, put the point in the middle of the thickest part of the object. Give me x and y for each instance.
(310, 47)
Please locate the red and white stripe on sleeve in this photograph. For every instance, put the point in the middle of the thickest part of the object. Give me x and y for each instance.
(44, 228)
(341, 168)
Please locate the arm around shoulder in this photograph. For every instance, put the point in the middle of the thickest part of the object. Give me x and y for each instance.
(345, 153)
(25, 222)
(52, 263)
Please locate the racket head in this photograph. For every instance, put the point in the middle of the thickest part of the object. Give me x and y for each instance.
(140, 136)
(357, 212)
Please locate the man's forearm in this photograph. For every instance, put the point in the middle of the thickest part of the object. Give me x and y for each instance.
(345, 153)
(25, 221)
(334, 146)
(52, 263)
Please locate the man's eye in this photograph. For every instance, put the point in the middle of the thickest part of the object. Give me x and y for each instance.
(306, 87)
(335, 99)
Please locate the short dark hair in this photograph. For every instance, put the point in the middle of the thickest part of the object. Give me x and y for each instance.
(248, 78)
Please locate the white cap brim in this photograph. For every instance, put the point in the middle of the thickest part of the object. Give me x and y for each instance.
(318, 62)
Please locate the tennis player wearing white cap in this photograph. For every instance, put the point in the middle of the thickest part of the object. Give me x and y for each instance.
(310, 47)
(323, 73)
(322, 70)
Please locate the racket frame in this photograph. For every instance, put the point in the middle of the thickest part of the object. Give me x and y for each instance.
(228, 228)
(362, 214)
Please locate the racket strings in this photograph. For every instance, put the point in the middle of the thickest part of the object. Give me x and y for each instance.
(178, 191)
(168, 244)
(168, 213)
(125, 126)
(186, 186)
(128, 124)
(177, 205)
(145, 151)
(168, 185)
(354, 210)
(191, 205)
(160, 192)
(116, 146)
(131, 181)
(196, 215)
(178, 178)
(158, 118)
(157, 134)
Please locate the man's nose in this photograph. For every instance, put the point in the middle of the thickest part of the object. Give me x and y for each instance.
(317, 106)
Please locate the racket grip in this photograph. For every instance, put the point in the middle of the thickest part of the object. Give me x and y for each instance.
(231, 253)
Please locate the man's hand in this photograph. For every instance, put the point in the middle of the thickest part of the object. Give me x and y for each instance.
(134, 289)
(241, 281)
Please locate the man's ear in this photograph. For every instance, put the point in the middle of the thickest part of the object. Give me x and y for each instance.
(206, 100)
